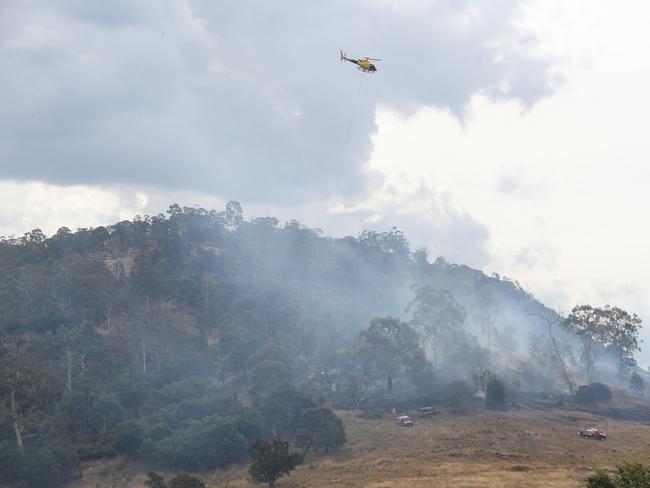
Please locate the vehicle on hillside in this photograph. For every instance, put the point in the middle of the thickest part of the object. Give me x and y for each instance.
(404, 421)
(427, 411)
(596, 434)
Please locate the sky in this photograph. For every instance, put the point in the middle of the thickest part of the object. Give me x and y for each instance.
(509, 135)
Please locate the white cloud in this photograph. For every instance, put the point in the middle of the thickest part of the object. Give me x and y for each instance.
(27, 206)
(560, 187)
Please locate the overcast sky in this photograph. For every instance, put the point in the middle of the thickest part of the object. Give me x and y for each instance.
(510, 135)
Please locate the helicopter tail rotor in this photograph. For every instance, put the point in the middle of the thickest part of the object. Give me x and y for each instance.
(343, 56)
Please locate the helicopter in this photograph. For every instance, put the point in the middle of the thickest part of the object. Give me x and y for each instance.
(363, 64)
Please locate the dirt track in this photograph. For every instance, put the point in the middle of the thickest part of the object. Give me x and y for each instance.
(522, 448)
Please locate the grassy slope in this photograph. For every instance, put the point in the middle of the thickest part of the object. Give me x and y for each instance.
(536, 448)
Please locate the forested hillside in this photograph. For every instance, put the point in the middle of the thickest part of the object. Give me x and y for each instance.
(180, 339)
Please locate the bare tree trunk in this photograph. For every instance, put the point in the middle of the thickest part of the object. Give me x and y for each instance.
(434, 350)
(16, 421)
(69, 357)
(108, 315)
(558, 354)
(144, 356)
(589, 361)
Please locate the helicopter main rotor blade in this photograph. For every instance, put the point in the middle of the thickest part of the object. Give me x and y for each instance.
(373, 59)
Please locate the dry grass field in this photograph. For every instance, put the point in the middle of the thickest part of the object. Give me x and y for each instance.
(519, 448)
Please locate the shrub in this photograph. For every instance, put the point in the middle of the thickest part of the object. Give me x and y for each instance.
(599, 479)
(626, 476)
(94, 450)
(212, 442)
(593, 393)
(186, 481)
(154, 480)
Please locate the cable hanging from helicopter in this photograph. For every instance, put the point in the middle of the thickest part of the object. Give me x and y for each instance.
(363, 64)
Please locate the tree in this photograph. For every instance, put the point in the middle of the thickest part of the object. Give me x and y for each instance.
(234, 214)
(622, 331)
(387, 344)
(25, 386)
(436, 315)
(271, 460)
(551, 321)
(318, 428)
(281, 407)
(588, 324)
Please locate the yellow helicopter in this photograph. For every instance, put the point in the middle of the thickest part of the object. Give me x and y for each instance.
(363, 64)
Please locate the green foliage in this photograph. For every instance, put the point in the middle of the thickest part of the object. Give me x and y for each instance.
(593, 393)
(280, 409)
(627, 475)
(600, 479)
(127, 438)
(439, 319)
(495, 393)
(319, 429)
(633, 476)
(386, 345)
(270, 460)
(209, 443)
